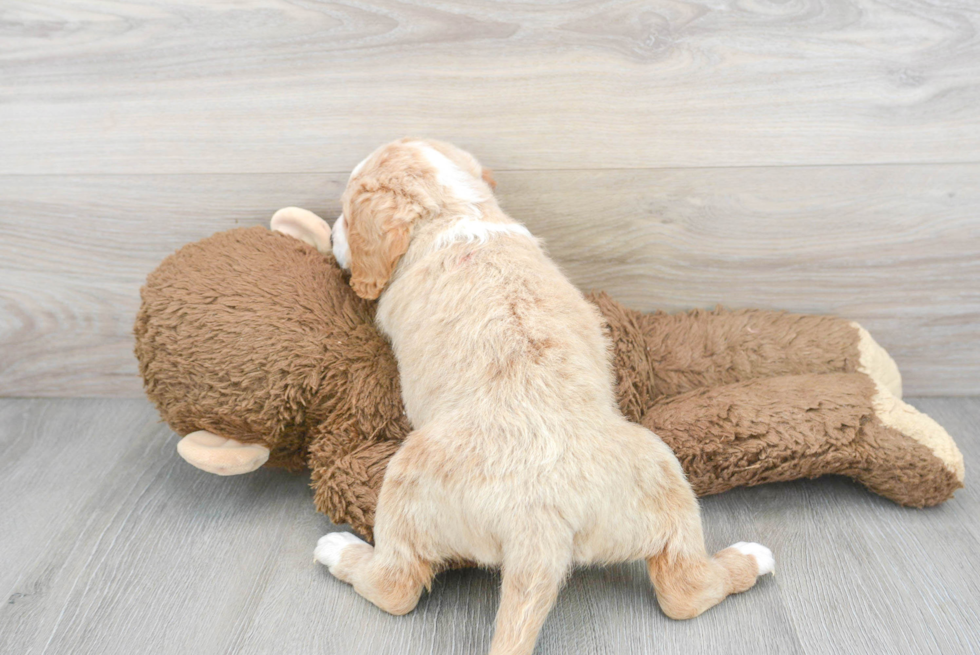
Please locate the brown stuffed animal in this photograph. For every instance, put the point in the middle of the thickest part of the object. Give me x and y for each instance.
(252, 344)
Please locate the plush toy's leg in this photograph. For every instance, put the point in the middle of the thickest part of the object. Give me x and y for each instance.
(804, 426)
(662, 355)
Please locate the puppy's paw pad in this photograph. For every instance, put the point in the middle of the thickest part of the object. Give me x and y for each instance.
(331, 545)
(763, 556)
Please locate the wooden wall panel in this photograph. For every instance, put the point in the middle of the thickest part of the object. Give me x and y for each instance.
(272, 86)
(895, 247)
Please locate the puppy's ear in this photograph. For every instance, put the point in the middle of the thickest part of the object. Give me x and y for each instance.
(379, 229)
(488, 178)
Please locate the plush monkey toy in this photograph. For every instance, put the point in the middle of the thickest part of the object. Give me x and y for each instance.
(253, 346)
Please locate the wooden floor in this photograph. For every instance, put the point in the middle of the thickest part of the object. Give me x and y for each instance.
(112, 544)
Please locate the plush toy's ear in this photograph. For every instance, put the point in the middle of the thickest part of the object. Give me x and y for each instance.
(304, 225)
(214, 454)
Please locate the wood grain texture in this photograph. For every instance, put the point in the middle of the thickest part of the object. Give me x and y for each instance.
(840, 240)
(279, 86)
(112, 544)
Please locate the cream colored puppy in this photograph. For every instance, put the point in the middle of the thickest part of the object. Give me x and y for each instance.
(520, 457)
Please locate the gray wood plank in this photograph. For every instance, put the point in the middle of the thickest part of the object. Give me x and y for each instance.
(279, 86)
(120, 547)
(895, 247)
(142, 548)
(860, 574)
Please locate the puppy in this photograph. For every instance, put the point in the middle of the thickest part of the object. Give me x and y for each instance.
(520, 457)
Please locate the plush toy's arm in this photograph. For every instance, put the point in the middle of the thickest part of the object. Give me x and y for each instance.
(347, 476)
(659, 355)
(804, 426)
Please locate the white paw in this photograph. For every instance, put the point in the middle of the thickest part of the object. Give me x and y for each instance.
(763, 556)
(331, 545)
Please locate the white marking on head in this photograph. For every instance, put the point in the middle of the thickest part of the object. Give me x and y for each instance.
(341, 249)
(463, 186)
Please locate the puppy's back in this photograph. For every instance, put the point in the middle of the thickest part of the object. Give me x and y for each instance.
(495, 323)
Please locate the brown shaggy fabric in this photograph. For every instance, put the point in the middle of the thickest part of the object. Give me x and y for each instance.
(658, 355)
(256, 336)
(796, 426)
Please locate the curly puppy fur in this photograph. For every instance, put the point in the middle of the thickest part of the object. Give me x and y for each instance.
(520, 456)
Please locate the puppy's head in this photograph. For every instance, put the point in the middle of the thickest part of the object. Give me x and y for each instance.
(390, 193)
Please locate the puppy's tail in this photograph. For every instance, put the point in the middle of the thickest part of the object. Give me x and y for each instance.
(529, 588)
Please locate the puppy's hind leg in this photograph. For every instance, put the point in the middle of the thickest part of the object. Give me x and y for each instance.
(530, 586)
(392, 573)
(389, 579)
(687, 581)
(688, 585)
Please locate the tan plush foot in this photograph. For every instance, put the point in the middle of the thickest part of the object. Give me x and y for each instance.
(903, 418)
(215, 454)
(877, 364)
(805, 426)
(304, 225)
